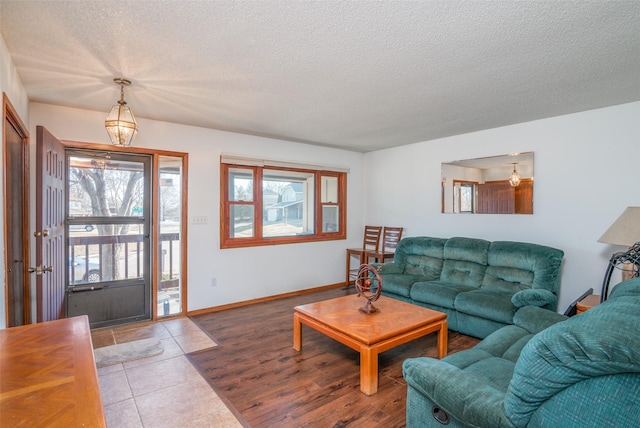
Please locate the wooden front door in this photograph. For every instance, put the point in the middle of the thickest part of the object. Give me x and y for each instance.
(50, 199)
(496, 197)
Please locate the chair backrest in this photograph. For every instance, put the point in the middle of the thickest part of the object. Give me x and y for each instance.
(390, 237)
(372, 238)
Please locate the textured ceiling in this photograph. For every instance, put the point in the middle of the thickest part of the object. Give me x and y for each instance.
(361, 75)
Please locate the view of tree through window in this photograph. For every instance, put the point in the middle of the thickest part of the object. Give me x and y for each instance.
(105, 199)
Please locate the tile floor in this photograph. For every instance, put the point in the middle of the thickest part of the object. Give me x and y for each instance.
(164, 390)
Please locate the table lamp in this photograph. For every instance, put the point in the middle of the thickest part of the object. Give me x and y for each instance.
(624, 231)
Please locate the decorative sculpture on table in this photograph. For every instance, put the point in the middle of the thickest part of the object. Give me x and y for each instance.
(364, 282)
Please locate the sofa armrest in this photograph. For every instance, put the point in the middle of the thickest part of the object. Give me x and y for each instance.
(535, 319)
(534, 297)
(470, 400)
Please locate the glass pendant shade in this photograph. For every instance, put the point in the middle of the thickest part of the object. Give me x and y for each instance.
(99, 163)
(121, 125)
(514, 178)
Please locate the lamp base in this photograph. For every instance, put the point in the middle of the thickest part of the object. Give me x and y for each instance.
(629, 270)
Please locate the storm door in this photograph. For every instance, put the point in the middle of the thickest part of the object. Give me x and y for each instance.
(108, 234)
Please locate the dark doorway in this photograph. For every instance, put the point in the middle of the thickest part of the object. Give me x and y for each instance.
(16, 216)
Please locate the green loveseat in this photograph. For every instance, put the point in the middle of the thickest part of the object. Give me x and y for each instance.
(479, 284)
(546, 370)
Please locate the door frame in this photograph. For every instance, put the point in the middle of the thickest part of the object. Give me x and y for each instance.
(155, 234)
(10, 115)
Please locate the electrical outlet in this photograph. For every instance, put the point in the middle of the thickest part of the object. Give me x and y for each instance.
(199, 219)
(214, 282)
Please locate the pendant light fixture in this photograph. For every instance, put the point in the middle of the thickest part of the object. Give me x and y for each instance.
(514, 178)
(121, 125)
(100, 162)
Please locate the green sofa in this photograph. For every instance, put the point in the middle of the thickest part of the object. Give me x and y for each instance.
(479, 284)
(546, 370)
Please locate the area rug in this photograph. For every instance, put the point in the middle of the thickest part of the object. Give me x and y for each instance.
(114, 354)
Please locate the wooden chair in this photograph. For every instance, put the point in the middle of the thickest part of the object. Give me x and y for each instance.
(371, 242)
(390, 238)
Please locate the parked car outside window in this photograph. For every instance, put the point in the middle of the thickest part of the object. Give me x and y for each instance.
(79, 274)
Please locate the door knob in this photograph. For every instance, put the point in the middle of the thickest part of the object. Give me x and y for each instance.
(45, 232)
(39, 270)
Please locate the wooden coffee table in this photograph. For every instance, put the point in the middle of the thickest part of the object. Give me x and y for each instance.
(396, 323)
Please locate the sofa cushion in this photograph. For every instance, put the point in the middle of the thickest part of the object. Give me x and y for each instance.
(420, 255)
(399, 284)
(460, 272)
(426, 267)
(506, 343)
(544, 262)
(534, 319)
(489, 304)
(467, 249)
(496, 371)
(507, 278)
(437, 293)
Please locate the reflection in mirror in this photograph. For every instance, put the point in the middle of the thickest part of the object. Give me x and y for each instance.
(492, 185)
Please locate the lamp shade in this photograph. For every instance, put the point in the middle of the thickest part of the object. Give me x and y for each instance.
(625, 230)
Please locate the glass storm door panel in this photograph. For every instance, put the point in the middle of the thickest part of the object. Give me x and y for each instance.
(169, 300)
(108, 229)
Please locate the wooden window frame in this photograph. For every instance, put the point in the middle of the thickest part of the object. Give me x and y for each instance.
(226, 241)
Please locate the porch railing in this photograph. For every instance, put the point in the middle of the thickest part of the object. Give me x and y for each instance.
(126, 252)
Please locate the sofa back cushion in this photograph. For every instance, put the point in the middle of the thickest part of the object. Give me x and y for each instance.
(515, 266)
(507, 279)
(465, 261)
(421, 256)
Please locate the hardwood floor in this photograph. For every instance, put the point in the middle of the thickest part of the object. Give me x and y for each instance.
(269, 384)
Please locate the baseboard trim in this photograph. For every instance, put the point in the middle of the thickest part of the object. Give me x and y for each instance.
(262, 299)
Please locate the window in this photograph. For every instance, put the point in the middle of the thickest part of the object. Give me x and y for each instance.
(463, 197)
(267, 203)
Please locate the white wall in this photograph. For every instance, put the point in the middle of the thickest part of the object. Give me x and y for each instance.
(241, 273)
(585, 176)
(585, 166)
(10, 84)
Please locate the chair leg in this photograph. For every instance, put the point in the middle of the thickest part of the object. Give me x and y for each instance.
(346, 282)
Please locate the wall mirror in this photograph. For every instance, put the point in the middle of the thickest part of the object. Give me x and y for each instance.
(492, 185)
